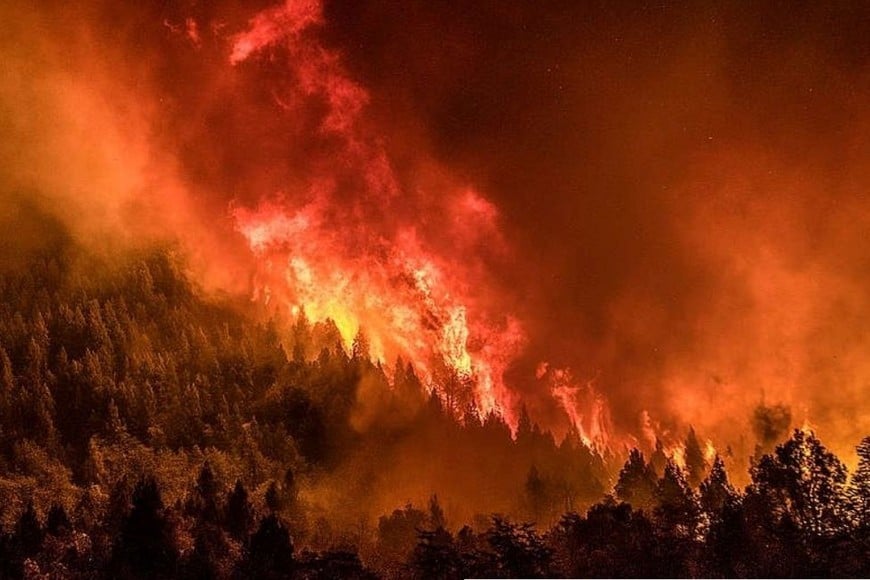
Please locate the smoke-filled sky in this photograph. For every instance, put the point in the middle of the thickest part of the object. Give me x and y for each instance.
(670, 200)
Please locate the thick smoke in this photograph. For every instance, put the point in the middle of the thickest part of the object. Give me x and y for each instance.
(685, 187)
(770, 425)
(680, 192)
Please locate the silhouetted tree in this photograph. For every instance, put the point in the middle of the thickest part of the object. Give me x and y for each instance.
(239, 513)
(519, 550)
(658, 459)
(435, 557)
(397, 533)
(274, 501)
(677, 519)
(209, 557)
(613, 540)
(29, 533)
(203, 503)
(804, 481)
(270, 553)
(436, 513)
(57, 522)
(636, 484)
(536, 496)
(730, 552)
(715, 492)
(146, 546)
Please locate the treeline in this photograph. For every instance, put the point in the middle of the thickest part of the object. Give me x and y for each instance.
(800, 517)
(149, 430)
(124, 369)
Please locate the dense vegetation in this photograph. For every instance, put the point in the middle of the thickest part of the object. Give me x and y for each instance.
(151, 431)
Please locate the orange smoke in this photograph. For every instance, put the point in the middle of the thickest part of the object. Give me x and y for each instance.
(684, 225)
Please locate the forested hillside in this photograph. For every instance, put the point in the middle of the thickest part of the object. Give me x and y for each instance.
(151, 429)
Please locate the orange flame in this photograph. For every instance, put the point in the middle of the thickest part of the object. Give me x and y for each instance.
(585, 407)
(332, 257)
(710, 452)
(676, 453)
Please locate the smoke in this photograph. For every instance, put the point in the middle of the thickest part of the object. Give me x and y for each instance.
(770, 425)
(684, 190)
(669, 202)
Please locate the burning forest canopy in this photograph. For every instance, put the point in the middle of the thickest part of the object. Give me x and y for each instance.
(479, 251)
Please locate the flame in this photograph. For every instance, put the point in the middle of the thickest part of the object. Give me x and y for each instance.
(585, 407)
(454, 342)
(676, 453)
(710, 452)
(394, 291)
(335, 250)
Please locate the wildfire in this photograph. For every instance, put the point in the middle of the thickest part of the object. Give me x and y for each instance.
(392, 290)
(333, 254)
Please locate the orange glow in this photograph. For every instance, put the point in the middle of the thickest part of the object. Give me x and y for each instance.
(677, 454)
(396, 293)
(679, 233)
(391, 284)
(709, 452)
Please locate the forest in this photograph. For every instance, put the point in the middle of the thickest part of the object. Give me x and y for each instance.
(152, 430)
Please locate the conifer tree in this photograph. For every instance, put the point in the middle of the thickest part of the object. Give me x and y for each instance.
(636, 483)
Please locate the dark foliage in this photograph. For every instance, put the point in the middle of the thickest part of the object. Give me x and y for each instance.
(149, 431)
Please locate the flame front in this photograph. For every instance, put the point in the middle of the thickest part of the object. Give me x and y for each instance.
(391, 290)
(339, 255)
(331, 258)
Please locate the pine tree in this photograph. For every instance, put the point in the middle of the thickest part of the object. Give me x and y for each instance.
(360, 348)
(204, 501)
(28, 532)
(677, 509)
(524, 426)
(519, 550)
(239, 513)
(716, 491)
(274, 501)
(536, 493)
(270, 554)
(436, 514)
(677, 519)
(145, 547)
(290, 490)
(435, 557)
(636, 484)
(658, 459)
